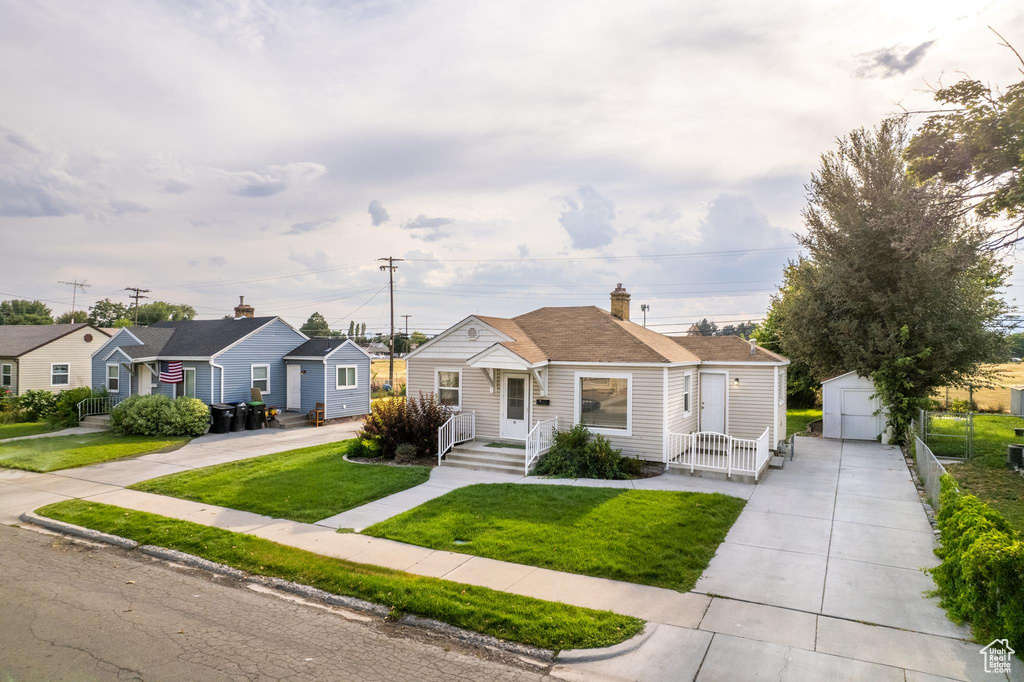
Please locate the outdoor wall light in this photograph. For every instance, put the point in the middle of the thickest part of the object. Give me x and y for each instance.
(736, 381)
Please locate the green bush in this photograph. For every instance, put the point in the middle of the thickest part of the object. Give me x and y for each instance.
(65, 407)
(981, 577)
(37, 405)
(159, 415)
(405, 420)
(574, 454)
(406, 453)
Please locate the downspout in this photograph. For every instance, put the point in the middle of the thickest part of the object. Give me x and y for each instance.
(775, 403)
(664, 414)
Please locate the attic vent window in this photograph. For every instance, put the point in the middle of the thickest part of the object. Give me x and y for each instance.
(88, 338)
(472, 333)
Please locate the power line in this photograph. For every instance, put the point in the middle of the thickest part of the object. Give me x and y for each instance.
(75, 286)
(649, 256)
(139, 291)
(391, 267)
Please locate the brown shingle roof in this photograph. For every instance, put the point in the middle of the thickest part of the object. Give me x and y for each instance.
(724, 349)
(18, 339)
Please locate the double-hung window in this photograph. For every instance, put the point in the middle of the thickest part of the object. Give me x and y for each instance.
(261, 378)
(687, 394)
(345, 376)
(604, 402)
(449, 387)
(6, 375)
(60, 374)
(113, 377)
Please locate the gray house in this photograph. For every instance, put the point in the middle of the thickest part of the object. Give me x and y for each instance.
(223, 360)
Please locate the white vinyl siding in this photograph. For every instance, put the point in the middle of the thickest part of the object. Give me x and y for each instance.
(476, 394)
(751, 401)
(32, 370)
(346, 377)
(113, 377)
(260, 378)
(60, 374)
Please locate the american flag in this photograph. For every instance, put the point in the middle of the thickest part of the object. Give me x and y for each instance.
(173, 374)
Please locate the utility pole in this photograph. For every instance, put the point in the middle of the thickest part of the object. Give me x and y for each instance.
(75, 286)
(406, 325)
(137, 294)
(391, 267)
(644, 307)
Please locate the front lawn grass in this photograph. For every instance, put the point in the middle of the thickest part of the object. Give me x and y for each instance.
(649, 537)
(64, 452)
(797, 420)
(23, 429)
(521, 619)
(308, 484)
(1000, 488)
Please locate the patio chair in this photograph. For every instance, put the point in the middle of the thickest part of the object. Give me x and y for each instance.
(256, 395)
(316, 416)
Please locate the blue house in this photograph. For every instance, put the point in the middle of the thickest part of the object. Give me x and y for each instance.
(223, 360)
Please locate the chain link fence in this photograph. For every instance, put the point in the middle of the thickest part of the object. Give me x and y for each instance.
(948, 434)
(929, 470)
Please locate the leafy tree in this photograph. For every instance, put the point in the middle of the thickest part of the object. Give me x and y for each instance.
(19, 311)
(161, 311)
(417, 338)
(73, 317)
(977, 149)
(127, 322)
(1015, 343)
(316, 325)
(106, 312)
(802, 388)
(351, 329)
(704, 328)
(895, 286)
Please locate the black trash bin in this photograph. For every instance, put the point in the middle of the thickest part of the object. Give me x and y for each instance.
(261, 414)
(250, 418)
(238, 423)
(222, 415)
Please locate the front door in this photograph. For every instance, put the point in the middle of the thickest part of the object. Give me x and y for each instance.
(712, 402)
(145, 380)
(294, 401)
(515, 424)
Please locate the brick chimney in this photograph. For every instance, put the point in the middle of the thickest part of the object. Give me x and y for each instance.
(620, 303)
(243, 310)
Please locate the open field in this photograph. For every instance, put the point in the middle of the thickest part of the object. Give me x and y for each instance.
(996, 399)
(379, 371)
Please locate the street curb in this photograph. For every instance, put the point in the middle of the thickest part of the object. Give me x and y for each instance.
(192, 560)
(79, 531)
(309, 592)
(620, 649)
(477, 639)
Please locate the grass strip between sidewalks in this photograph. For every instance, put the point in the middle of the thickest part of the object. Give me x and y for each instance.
(545, 624)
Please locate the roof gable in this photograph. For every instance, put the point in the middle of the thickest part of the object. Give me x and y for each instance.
(725, 349)
(205, 338)
(18, 339)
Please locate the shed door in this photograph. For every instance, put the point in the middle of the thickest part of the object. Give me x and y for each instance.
(857, 410)
(294, 396)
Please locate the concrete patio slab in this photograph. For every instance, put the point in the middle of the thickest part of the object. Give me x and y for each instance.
(760, 622)
(886, 462)
(778, 531)
(887, 476)
(668, 654)
(884, 595)
(781, 500)
(815, 479)
(497, 575)
(922, 653)
(876, 511)
(767, 576)
(683, 482)
(734, 658)
(903, 491)
(889, 546)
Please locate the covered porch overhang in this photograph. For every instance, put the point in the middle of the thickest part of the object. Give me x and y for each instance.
(498, 357)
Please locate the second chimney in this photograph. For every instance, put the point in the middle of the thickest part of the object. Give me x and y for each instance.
(243, 310)
(620, 303)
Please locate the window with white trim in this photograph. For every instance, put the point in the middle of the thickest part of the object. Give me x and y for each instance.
(6, 375)
(603, 402)
(345, 377)
(113, 377)
(449, 387)
(782, 386)
(261, 378)
(189, 383)
(60, 374)
(687, 394)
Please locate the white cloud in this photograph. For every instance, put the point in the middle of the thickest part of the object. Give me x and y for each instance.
(588, 218)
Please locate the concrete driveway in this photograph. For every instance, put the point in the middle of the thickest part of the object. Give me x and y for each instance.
(25, 490)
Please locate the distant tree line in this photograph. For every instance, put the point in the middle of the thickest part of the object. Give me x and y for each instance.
(105, 313)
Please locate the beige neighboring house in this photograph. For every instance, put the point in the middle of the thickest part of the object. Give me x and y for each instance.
(693, 402)
(48, 357)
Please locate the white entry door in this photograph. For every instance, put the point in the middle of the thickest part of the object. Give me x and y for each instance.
(145, 380)
(857, 410)
(294, 401)
(712, 402)
(515, 423)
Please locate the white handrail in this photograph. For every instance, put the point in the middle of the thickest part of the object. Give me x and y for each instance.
(458, 429)
(91, 406)
(712, 451)
(539, 440)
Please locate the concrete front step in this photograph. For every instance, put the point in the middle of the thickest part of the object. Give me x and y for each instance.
(96, 421)
(512, 457)
(456, 463)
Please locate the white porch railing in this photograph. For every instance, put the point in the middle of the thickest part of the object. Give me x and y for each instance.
(460, 428)
(539, 440)
(710, 451)
(91, 406)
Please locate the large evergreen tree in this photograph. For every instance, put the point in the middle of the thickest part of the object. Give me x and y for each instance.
(316, 325)
(894, 286)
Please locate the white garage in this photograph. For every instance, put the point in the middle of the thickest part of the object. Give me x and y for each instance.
(850, 408)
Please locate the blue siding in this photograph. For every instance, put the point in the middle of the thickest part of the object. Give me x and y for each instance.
(312, 383)
(267, 346)
(202, 382)
(351, 401)
(99, 365)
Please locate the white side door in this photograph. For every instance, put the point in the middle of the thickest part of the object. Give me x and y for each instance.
(712, 402)
(294, 401)
(857, 410)
(515, 410)
(145, 380)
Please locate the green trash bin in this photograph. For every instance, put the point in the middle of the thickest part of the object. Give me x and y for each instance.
(257, 411)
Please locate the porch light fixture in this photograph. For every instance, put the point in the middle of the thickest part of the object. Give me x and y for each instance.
(736, 381)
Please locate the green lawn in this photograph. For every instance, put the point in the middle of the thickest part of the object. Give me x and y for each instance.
(23, 429)
(64, 452)
(642, 536)
(1000, 488)
(797, 420)
(306, 485)
(522, 619)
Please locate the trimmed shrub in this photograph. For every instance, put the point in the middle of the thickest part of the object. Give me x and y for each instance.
(160, 415)
(406, 453)
(405, 420)
(65, 408)
(574, 454)
(37, 405)
(980, 577)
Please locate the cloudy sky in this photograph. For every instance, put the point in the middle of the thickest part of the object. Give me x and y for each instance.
(514, 154)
